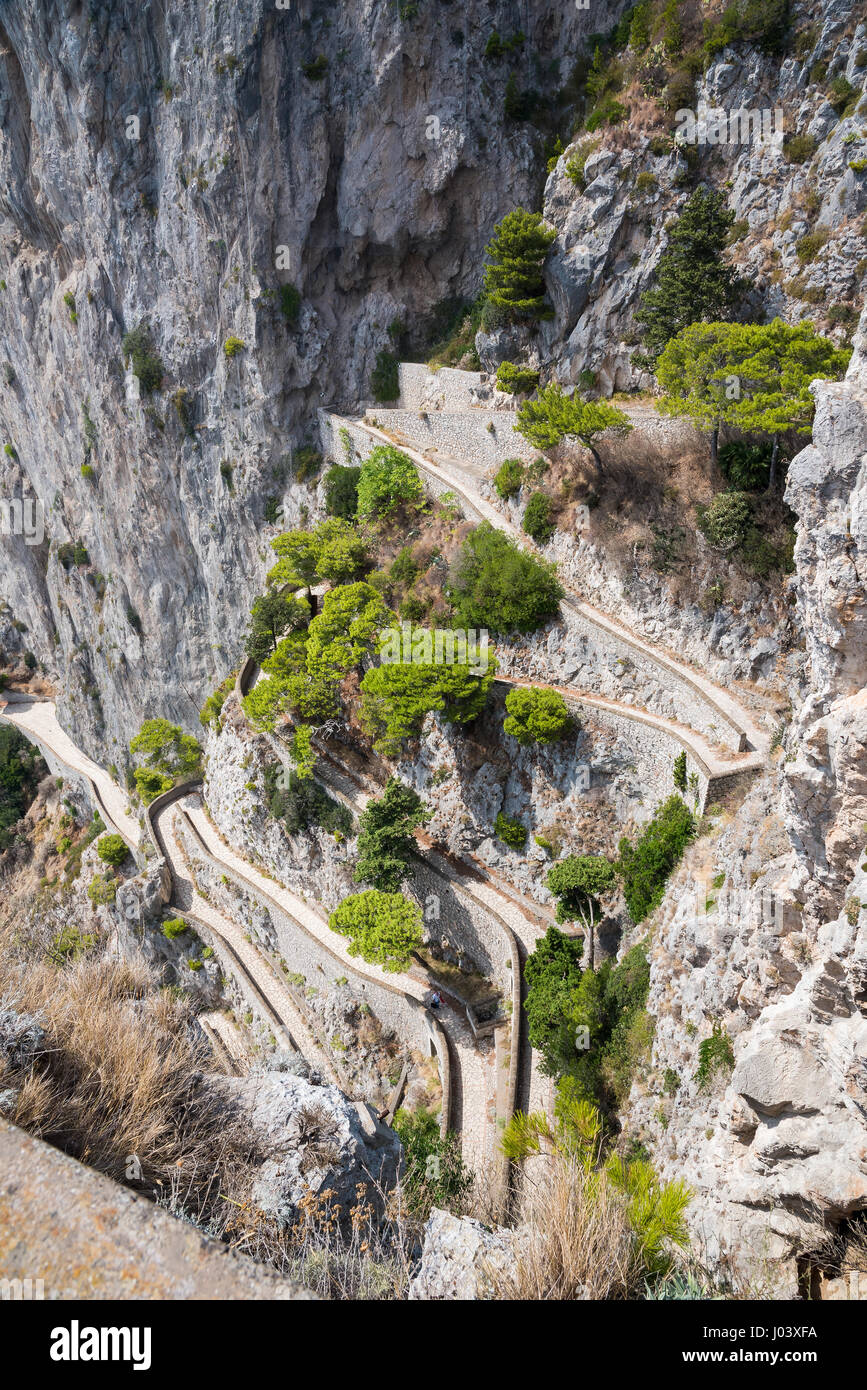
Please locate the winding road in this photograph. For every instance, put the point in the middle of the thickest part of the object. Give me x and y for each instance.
(181, 816)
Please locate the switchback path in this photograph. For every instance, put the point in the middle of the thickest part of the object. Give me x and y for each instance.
(37, 720)
(472, 1079)
(463, 482)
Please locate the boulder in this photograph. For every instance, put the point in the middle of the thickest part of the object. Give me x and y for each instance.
(461, 1259)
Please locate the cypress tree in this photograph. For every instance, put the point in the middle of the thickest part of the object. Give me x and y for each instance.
(693, 282)
(513, 280)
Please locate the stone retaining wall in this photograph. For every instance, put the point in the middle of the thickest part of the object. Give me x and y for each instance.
(479, 438)
(655, 751)
(449, 388)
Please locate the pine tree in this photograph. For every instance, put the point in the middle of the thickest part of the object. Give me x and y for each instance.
(693, 282)
(552, 416)
(513, 280)
(752, 376)
(386, 842)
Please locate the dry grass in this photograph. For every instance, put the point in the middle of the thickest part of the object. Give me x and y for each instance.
(573, 1238)
(119, 1077)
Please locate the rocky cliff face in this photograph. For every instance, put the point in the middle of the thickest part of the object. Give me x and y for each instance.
(612, 231)
(761, 936)
(178, 168)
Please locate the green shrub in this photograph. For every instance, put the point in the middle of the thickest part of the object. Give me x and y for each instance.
(809, 246)
(797, 149)
(147, 366)
(535, 715)
(646, 182)
(150, 784)
(434, 1174)
(70, 945)
(516, 380)
(182, 401)
(316, 69)
(302, 804)
(537, 518)
(383, 928)
(290, 303)
(496, 585)
(511, 831)
(387, 480)
(173, 927)
(843, 96)
(609, 112)
(306, 463)
(762, 557)
(384, 379)
(726, 520)
(103, 890)
(20, 770)
(233, 346)
(646, 866)
(508, 478)
(671, 1082)
(746, 466)
(341, 491)
(576, 162)
(213, 706)
(112, 850)
(714, 1054)
(679, 771)
(69, 301)
(88, 472)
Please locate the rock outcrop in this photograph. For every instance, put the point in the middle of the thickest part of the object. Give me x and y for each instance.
(321, 1148)
(182, 170)
(761, 937)
(461, 1259)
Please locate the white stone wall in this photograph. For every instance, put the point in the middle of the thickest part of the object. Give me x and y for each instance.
(477, 438)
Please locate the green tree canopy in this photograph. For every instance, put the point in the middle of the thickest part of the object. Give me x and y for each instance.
(693, 282)
(396, 697)
(385, 840)
(553, 973)
(342, 552)
(645, 867)
(553, 416)
(534, 715)
(167, 749)
(272, 613)
(578, 882)
(753, 377)
(383, 928)
(517, 251)
(346, 630)
(388, 480)
(495, 585)
(333, 550)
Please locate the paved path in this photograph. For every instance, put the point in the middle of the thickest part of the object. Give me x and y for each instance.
(473, 1078)
(470, 1068)
(37, 720)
